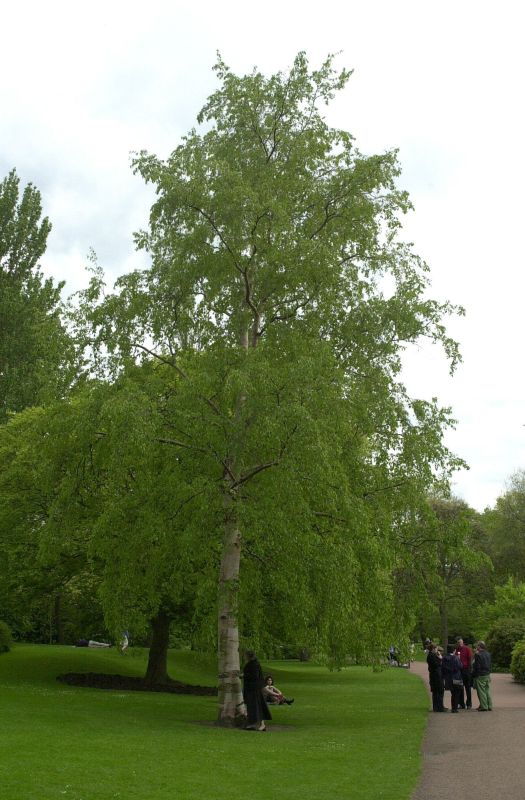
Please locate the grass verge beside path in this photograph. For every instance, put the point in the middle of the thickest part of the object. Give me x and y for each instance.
(353, 734)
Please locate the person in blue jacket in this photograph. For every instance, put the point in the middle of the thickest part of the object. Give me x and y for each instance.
(451, 668)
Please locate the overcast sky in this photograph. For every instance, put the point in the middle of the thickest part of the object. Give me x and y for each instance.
(83, 85)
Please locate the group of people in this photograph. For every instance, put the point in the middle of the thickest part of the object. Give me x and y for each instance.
(259, 692)
(458, 671)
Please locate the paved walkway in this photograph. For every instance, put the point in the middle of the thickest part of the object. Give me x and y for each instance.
(476, 755)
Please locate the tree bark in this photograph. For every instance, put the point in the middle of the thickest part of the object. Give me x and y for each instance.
(59, 625)
(157, 670)
(231, 704)
(232, 711)
(443, 615)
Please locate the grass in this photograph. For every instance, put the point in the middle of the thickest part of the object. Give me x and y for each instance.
(352, 734)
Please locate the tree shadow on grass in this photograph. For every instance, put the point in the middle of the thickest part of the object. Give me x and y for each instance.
(95, 680)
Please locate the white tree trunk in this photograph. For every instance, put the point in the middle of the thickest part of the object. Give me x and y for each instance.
(231, 705)
(232, 711)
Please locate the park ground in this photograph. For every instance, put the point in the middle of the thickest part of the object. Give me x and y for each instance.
(350, 734)
(483, 752)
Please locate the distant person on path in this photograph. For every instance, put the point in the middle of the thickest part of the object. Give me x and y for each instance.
(273, 695)
(464, 653)
(435, 678)
(451, 668)
(482, 668)
(253, 683)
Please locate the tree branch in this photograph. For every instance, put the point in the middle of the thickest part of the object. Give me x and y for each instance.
(160, 358)
(385, 488)
(185, 445)
(255, 471)
(218, 233)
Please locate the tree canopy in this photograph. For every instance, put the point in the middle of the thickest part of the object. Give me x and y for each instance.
(35, 351)
(504, 527)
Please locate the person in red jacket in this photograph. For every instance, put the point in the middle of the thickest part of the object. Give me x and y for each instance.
(464, 653)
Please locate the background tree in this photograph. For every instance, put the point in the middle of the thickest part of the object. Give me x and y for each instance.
(48, 593)
(508, 602)
(271, 241)
(455, 569)
(90, 500)
(36, 356)
(504, 527)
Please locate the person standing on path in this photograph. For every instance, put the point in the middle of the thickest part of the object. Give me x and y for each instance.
(481, 674)
(452, 676)
(435, 678)
(464, 654)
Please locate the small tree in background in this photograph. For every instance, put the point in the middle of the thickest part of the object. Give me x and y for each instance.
(36, 355)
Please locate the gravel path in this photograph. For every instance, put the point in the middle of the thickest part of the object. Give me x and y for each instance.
(476, 755)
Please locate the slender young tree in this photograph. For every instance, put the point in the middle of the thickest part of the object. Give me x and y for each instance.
(273, 241)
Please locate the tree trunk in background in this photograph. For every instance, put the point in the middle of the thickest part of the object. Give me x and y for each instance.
(231, 703)
(304, 654)
(157, 671)
(443, 615)
(59, 625)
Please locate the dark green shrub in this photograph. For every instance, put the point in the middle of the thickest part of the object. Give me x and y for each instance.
(517, 665)
(501, 638)
(5, 638)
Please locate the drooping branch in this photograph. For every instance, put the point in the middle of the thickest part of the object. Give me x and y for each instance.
(180, 371)
(186, 502)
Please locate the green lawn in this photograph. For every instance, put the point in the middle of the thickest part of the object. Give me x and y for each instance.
(353, 734)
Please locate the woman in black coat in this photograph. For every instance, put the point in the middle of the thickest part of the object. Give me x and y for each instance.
(256, 708)
(435, 678)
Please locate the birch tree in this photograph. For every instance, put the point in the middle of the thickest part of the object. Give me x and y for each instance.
(281, 297)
